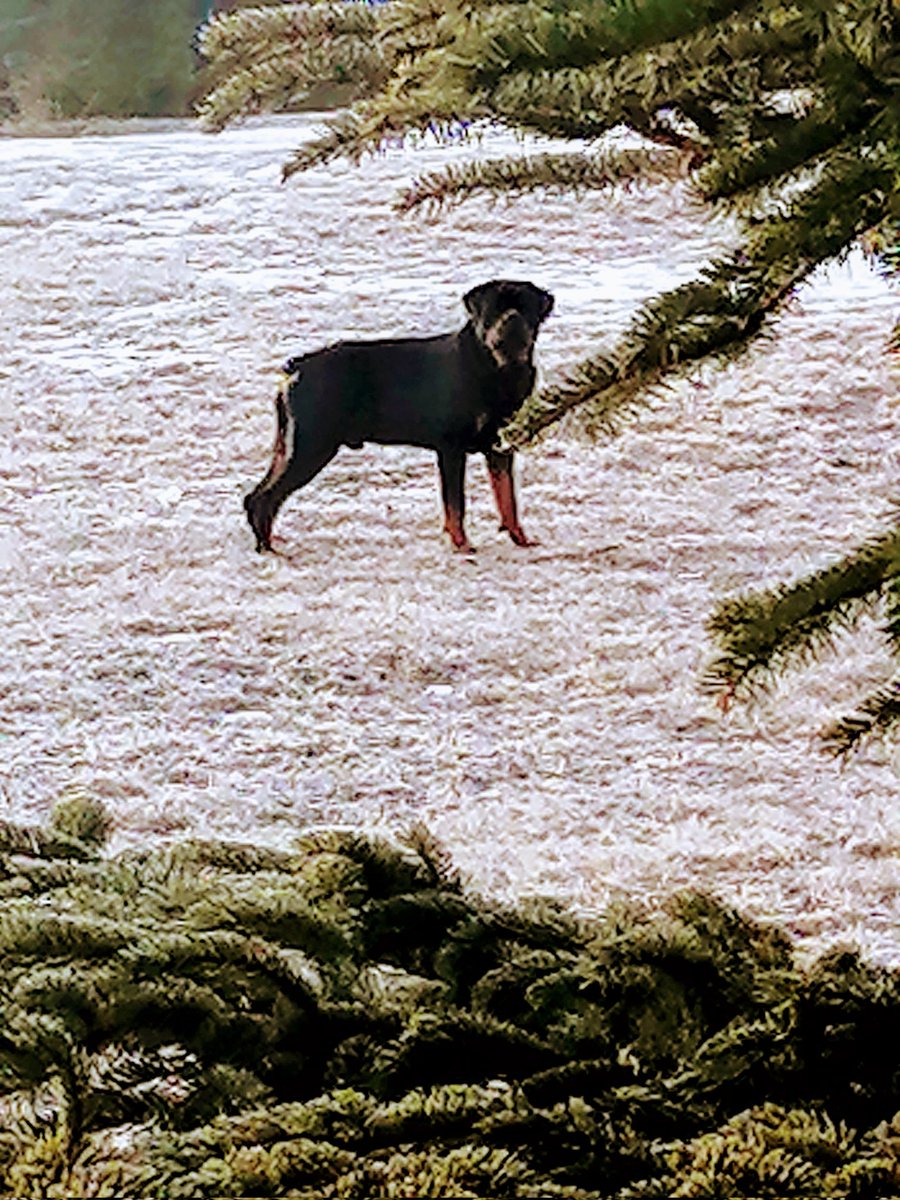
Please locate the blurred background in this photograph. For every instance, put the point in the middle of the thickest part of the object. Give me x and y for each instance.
(118, 58)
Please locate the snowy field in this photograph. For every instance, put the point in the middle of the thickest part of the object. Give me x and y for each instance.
(538, 709)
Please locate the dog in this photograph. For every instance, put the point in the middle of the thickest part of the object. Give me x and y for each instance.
(449, 393)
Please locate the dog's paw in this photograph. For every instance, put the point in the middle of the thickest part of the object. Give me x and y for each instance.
(517, 535)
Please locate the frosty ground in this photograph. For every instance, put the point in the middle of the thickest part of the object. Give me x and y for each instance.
(538, 709)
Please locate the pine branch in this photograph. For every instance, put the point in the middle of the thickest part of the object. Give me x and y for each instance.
(235, 39)
(577, 172)
(448, 80)
(505, 39)
(703, 68)
(195, 1057)
(345, 134)
(35, 841)
(738, 169)
(370, 124)
(758, 634)
(287, 76)
(269, 58)
(878, 716)
(726, 305)
(892, 614)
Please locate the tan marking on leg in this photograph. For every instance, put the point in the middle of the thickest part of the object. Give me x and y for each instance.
(453, 526)
(500, 471)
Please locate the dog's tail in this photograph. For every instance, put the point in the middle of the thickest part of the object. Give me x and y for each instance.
(289, 377)
(281, 415)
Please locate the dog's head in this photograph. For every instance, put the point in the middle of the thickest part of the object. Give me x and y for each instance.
(506, 316)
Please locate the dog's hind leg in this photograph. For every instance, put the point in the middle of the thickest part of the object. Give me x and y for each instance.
(263, 503)
(452, 466)
(499, 464)
(294, 463)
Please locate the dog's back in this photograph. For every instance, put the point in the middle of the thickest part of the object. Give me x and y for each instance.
(407, 391)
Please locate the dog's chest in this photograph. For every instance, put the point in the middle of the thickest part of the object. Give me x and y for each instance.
(481, 422)
(493, 407)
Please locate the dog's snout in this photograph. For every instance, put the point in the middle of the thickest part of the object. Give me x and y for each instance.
(510, 338)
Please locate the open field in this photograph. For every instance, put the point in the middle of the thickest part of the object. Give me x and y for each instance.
(538, 710)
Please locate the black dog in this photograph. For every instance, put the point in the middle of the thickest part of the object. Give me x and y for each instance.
(449, 393)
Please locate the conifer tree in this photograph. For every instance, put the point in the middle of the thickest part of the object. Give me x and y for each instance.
(787, 111)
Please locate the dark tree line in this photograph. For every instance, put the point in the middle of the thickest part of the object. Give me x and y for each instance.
(78, 58)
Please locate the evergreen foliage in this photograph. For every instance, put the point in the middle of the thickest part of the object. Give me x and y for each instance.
(265, 58)
(786, 111)
(343, 1019)
(759, 633)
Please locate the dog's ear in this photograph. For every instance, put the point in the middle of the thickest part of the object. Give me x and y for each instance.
(476, 299)
(533, 302)
(545, 304)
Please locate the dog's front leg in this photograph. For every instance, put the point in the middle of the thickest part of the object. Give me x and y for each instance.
(500, 464)
(452, 465)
